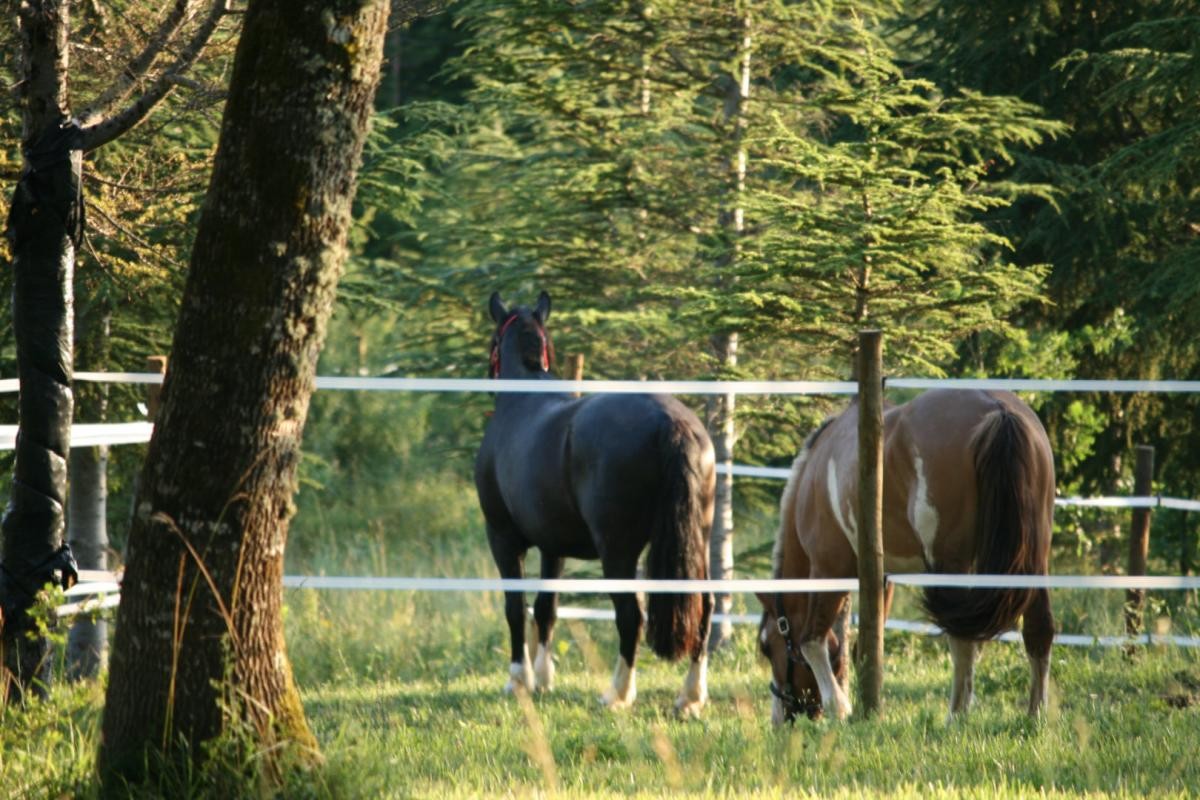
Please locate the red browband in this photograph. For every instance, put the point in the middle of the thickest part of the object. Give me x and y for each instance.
(495, 360)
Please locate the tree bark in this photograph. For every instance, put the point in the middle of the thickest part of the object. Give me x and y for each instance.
(44, 225)
(199, 648)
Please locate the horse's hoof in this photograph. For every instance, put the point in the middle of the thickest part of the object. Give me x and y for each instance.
(612, 702)
(520, 679)
(688, 709)
(543, 670)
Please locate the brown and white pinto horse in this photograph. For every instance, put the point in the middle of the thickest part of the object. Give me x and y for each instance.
(968, 488)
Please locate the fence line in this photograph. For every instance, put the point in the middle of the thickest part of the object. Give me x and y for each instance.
(110, 433)
(109, 582)
(926, 629)
(682, 387)
(99, 584)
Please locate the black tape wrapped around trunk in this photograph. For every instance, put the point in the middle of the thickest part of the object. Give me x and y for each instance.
(45, 225)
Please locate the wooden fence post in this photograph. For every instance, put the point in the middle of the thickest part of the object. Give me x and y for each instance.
(154, 390)
(575, 364)
(1187, 552)
(870, 524)
(1139, 538)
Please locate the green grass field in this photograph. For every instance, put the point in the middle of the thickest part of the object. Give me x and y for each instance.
(404, 693)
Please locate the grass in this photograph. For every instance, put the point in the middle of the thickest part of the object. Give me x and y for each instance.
(403, 691)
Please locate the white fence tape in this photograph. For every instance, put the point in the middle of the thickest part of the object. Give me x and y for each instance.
(580, 585)
(89, 606)
(738, 586)
(89, 434)
(925, 629)
(107, 581)
(101, 583)
(683, 387)
(92, 434)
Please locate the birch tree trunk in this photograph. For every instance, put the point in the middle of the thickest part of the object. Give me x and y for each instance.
(199, 648)
(721, 425)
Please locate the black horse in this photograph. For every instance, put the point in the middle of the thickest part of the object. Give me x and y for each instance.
(596, 477)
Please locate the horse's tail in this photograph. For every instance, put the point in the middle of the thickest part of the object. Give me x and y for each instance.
(679, 540)
(1010, 531)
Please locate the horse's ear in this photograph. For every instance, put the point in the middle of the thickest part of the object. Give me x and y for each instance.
(542, 312)
(497, 309)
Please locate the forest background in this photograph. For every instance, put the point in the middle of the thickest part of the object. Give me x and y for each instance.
(707, 190)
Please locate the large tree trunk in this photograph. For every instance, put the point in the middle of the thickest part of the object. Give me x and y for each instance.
(199, 643)
(44, 224)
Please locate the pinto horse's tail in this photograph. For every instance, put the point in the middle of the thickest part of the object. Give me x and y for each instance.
(1011, 530)
(675, 623)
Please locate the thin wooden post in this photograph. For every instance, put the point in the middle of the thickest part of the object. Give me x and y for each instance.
(1139, 538)
(575, 364)
(1187, 552)
(154, 393)
(870, 525)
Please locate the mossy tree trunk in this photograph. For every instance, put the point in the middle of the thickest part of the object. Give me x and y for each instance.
(200, 619)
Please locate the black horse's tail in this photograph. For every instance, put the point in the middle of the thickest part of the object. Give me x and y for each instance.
(679, 541)
(1010, 531)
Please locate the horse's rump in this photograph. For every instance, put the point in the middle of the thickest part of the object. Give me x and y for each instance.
(1011, 530)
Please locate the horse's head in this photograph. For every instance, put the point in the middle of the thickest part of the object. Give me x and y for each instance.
(793, 684)
(520, 344)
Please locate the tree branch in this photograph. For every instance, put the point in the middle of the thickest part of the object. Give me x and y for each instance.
(138, 67)
(104, 131)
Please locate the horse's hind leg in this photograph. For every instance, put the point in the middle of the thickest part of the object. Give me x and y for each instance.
(963, 653)
(544, 614)
(623, 690)
(694, 695)
(510, 561)
(1038, 633)
(823, 609)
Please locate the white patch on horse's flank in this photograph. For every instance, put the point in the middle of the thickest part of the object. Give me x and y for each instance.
(543, 668)
(921, 513)
(624, 686)
(845, 521)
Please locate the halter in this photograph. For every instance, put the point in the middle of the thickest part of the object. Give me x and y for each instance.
(791, 703)
(494, 371)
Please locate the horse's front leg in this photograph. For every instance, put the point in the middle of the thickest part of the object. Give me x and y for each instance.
(544, 615)
(823, 609)
(509, 553)
(694, 695)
